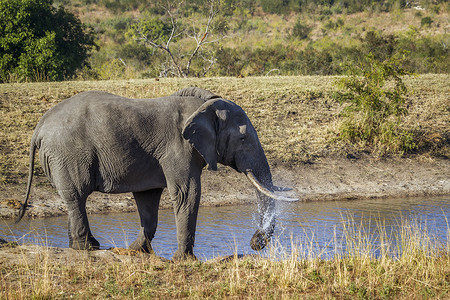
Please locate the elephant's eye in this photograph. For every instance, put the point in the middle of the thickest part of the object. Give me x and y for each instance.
(242, 139)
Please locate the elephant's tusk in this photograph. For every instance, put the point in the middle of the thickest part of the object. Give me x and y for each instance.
(265, 190)
(281, 189)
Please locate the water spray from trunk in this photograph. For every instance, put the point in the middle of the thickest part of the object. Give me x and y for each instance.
(266, 208)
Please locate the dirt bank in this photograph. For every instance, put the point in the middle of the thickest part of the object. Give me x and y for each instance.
(327, 179)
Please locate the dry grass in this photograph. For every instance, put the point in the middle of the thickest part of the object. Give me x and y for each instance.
(295, 117)
(421, 270)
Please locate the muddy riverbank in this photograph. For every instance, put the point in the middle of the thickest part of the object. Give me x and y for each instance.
(326, 179)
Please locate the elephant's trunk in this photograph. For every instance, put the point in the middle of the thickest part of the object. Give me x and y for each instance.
(266, 207)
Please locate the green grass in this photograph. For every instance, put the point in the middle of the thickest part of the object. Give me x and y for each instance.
(296, 117)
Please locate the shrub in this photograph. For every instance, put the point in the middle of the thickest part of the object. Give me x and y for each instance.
(300, 30)
(152, 29)
(435, 9)
(375, 104)
(426, 21)
(134, 51)
(275, 7)
(427, 54)
(316, 62)
(228, 62)
(113, 69)
(123, 5)
(380, 46)
(40, 42)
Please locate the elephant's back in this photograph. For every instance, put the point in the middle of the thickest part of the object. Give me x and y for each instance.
(71, 119)
(78, 106)
(96, 114)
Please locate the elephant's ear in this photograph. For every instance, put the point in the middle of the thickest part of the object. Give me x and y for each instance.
(201, 131)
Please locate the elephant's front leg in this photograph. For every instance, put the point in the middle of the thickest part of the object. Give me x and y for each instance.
(148, 204)
(186, 198)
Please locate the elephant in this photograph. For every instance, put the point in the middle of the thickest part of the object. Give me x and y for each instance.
(97, 141)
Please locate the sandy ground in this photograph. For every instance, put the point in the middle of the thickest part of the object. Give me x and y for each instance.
(11, 253)
(327, 179)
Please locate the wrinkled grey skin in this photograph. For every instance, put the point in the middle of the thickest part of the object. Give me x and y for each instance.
(95, 141)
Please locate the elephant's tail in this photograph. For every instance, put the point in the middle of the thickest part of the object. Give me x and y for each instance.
(24, 206)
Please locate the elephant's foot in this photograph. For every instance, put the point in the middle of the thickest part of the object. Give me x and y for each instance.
(142, 244)
(89, 243)
(180, 255)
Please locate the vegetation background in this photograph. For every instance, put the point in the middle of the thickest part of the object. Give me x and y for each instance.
(255, 37)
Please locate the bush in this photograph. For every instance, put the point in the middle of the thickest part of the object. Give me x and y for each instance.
(381, 46)
(134, 51)
(300, 30)
(113, 69)
(428, 54)
(275, 7)
(123, 5)
(375, 105)
(316, 62)
(151, 29)
(40, 42)
(426, 21)
(228, 62)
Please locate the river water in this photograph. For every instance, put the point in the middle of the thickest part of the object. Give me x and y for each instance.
(310, 229)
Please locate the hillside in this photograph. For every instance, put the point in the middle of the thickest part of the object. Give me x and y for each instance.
(297, 122)
(295, 117)
(311, 39)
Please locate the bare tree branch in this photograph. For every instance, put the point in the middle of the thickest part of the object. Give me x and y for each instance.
(201, 39)
(211, 61)
(174, 22)
(212, 13)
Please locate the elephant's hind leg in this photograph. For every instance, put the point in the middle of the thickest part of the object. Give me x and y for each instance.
(80, 236)
(148, 204)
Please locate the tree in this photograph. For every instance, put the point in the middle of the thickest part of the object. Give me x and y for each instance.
(161, 33)
(40, 42)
